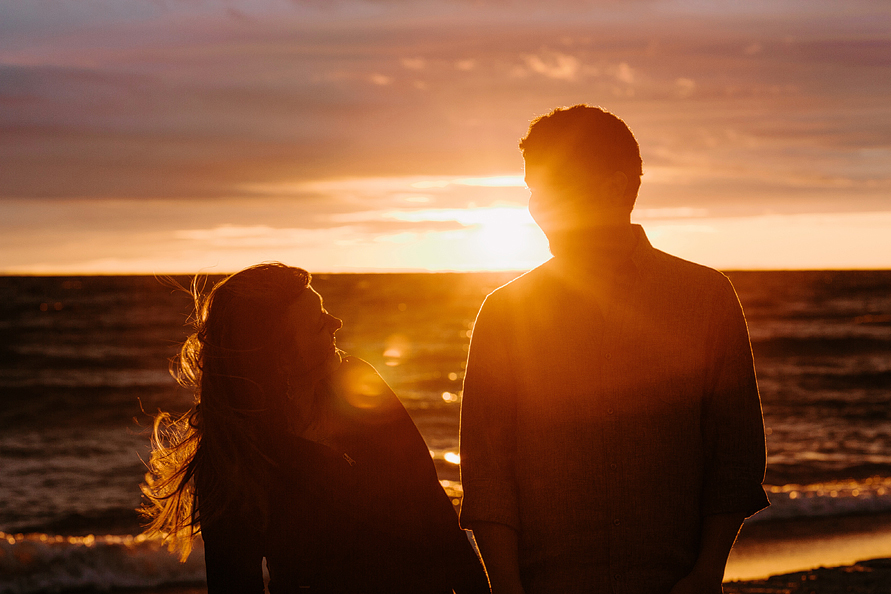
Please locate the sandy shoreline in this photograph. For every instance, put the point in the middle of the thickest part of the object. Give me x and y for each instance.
(863, 577)
(784, 547)
(829, 555)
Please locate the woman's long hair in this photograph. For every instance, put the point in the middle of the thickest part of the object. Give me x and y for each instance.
(234, 365)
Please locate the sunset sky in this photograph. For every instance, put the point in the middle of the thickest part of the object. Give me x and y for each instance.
(200, 135)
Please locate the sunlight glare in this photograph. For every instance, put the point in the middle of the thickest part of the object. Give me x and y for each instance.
(396, 349)
(495, 181)
(492, 181)
(497, 237)
(449, 397)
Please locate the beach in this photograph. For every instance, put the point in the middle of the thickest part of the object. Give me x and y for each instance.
(866, 577)
(781, 547)
(820, 549)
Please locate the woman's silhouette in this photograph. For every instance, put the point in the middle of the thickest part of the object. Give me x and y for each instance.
(299, 454)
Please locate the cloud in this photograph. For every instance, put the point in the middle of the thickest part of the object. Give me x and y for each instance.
(624, 73)
(139, 106)
(685, 86)
(381, 80)
(753, 49)
(362, 229)
(554, 65)
(413, 63)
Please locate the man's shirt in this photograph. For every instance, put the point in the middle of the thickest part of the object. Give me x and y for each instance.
(604, 415)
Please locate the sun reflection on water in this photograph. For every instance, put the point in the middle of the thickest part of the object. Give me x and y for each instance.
(396, 349)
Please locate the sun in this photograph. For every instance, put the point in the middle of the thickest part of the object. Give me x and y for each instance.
(502, 236)
(506, 235)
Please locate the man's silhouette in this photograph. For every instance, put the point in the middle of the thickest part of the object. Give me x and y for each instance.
(611, 430)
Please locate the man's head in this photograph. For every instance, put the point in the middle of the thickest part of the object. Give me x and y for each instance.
(583, 167)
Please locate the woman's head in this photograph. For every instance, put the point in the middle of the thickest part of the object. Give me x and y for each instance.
(259, 334)
(311, 330)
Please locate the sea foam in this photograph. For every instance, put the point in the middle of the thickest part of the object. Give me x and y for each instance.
(43, 563)
(832, 498)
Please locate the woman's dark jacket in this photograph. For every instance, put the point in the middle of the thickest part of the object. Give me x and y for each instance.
(365, 515)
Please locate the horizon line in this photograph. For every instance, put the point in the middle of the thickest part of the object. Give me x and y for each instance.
(11, 274)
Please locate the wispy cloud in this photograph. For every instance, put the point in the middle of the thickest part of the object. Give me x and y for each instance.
(554, 65)
(194, 110)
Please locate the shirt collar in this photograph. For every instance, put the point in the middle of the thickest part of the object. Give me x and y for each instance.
(643, 252)
(627, 272)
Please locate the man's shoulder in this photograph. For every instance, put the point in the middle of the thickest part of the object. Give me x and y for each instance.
(523, 287)
(669, 269)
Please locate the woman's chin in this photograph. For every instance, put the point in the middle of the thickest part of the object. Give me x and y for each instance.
(333, 361)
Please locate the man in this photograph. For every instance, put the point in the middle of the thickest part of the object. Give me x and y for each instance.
(611, 429)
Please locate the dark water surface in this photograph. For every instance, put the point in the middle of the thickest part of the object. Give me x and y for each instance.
(82, 357)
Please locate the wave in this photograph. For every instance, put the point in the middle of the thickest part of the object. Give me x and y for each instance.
(43, 563)
(832, 498)
(788, 346)
(111, 520)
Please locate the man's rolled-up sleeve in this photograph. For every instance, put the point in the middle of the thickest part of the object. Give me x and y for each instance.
(488, 425)
(733, 426)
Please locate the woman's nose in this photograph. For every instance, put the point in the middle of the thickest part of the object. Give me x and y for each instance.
(336, 324)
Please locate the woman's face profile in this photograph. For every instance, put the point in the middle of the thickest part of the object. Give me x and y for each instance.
(313, 328)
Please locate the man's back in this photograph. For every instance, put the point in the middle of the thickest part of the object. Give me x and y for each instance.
(591, 416)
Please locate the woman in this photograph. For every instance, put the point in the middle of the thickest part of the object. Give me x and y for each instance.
(299, 454)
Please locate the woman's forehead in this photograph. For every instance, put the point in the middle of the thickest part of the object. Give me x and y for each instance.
(308, 303)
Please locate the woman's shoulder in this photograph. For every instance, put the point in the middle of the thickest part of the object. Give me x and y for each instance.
(361, 388)
(357, 374)
(353, 364)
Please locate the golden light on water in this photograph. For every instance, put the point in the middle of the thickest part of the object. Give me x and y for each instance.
(452, 458)
(396, 348)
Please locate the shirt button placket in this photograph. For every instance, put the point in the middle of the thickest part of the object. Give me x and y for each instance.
(613, 466)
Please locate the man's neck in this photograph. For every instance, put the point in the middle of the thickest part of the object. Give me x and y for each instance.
(602, 247)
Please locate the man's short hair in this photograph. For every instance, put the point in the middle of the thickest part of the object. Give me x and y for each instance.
(583, 140)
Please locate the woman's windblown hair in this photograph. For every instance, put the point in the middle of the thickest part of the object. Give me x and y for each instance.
(214, 457)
